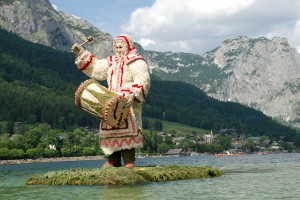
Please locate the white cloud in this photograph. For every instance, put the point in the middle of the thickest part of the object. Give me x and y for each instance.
(200, 25)
(145, 42)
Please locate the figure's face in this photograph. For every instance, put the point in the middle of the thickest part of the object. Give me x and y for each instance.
(119, 48)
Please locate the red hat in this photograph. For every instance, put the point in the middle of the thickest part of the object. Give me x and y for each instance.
(125, 39)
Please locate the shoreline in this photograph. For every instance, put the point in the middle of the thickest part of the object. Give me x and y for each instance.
(44, 160)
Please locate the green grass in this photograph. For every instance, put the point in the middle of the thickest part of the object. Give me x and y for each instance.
(181, 129)
(123, 176)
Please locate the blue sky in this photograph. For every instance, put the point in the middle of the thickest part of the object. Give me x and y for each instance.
(193, 26)
(107, 15)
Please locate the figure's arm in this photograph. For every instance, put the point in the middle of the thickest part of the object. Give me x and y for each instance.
(141, 81)
(89, 64)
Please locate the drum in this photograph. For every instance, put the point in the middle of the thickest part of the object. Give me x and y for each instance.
(101, 102)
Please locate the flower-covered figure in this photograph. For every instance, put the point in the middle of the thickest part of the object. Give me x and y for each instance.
(127, 74)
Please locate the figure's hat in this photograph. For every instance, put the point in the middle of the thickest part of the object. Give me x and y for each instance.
(127, 41)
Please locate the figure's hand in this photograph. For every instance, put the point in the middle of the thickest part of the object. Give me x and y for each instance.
(130, 98)
(77, 49)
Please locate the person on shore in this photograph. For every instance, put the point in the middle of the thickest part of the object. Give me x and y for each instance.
(127, 74)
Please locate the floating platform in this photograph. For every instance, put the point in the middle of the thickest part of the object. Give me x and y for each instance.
(123, 176)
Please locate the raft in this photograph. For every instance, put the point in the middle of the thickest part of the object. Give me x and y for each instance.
(123, 176)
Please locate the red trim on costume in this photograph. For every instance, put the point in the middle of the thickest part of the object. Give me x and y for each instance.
(127, 42)
(122, 72)
(130, 59)
(125, 91)
(88, 63)
(110, 60)
(117, 72)
(111, 76)
(86, 55)
(107, 143)
(142, 87)
(82, 59)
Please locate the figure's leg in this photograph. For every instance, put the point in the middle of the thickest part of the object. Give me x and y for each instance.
(113, 160)
(128, 157)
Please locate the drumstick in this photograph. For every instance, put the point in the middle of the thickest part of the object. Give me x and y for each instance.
(88, 39)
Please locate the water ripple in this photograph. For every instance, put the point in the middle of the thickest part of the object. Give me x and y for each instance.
(246, 177)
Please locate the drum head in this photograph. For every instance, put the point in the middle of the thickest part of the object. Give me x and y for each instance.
(115, 111)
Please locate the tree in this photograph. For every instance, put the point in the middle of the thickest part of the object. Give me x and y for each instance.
(73, 140)
(33, 138)
(168, 140)
(49, 153)
(79, 134)
(89, 151)
(5, 141)
(186, 144)
(34, 153)
(158, 125)
(249, 145)
(16, 154)
(203, 148)
(162, 148)
(4, 153)
(62, 122)
(19, 142)
(224, 141)
(187, 136)
(91, 140)
(147, 142)
(49, 137)
(146, 123)
(69, 142)
(7, 127)
(217, 148)
(286, 146)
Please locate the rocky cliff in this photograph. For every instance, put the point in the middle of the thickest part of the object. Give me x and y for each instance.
(39, 22)
(260, 73)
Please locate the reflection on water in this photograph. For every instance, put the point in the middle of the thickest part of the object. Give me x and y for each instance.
(246, 177)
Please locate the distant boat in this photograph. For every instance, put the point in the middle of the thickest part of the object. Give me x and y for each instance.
(140, 155)
(262, 153)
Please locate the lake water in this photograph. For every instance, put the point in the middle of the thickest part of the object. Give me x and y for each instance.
(272, 176)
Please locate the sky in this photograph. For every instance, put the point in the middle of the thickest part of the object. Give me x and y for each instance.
(191, 26)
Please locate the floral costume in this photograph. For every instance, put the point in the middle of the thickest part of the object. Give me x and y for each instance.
(126, 75)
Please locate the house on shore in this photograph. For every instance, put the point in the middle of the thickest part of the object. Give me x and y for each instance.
(177, 152)
(174, 152)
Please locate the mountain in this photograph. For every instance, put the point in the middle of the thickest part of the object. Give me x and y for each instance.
(37, 84)
(259, 73)
(38, 22)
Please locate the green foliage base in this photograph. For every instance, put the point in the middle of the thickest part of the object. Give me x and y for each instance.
(123, 176)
